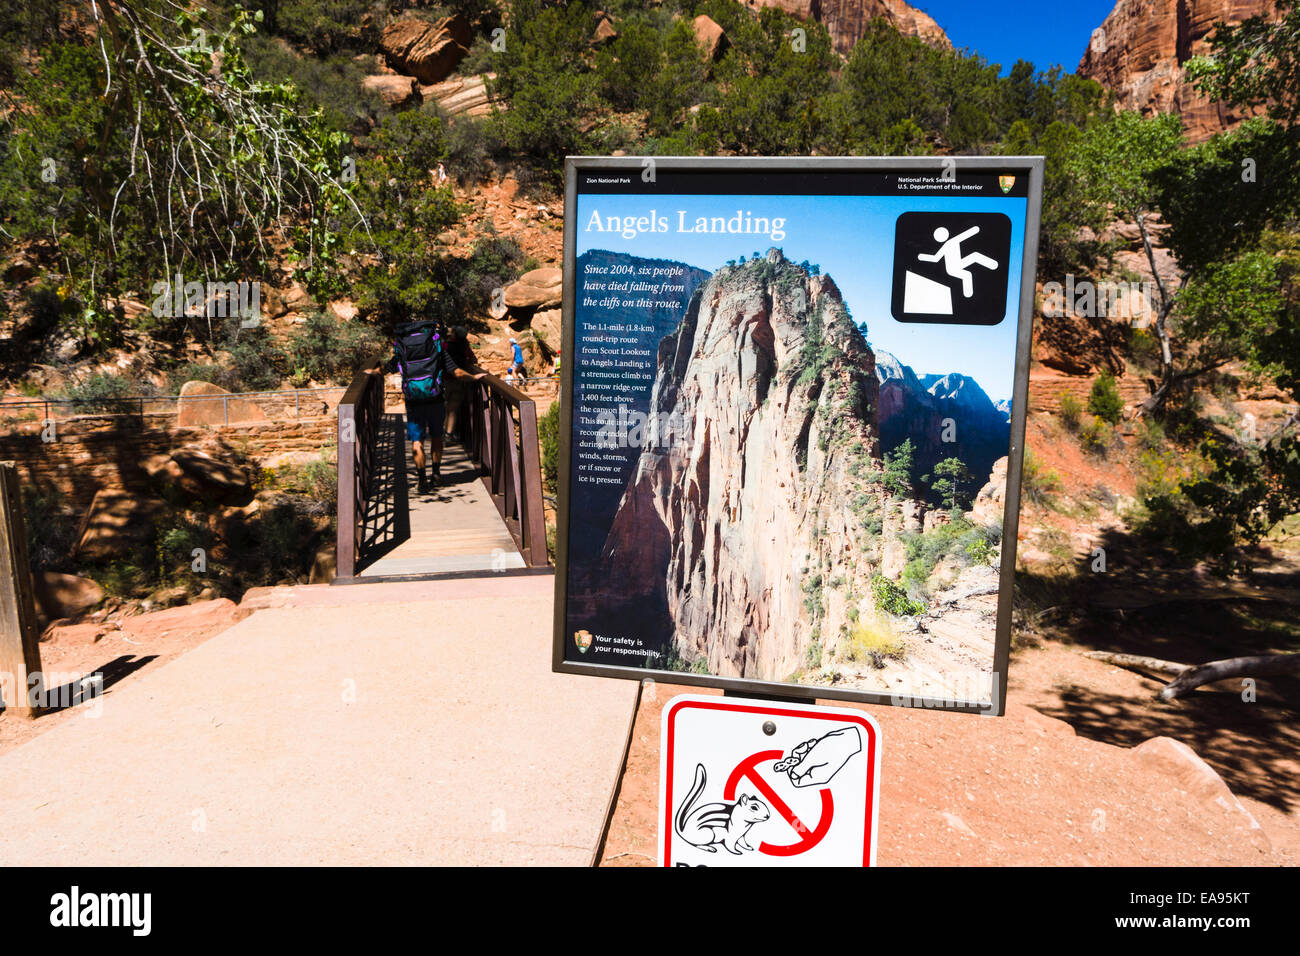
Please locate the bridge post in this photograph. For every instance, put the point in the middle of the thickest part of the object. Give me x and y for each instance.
(20, 650)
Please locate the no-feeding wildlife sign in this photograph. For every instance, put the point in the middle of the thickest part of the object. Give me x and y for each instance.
(754, 783)
(792, 423)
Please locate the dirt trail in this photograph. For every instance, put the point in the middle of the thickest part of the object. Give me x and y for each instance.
(960, 790)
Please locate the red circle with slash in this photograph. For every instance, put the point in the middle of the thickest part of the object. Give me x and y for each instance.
(810, 837)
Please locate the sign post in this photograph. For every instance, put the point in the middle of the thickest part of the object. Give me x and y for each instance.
(780, 374)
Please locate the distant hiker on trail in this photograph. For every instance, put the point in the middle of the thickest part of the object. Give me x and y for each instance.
(419, 355)
(556, 370)
(462, 354)
(517, 363)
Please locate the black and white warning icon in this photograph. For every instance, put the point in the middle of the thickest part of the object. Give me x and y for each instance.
(951, 267)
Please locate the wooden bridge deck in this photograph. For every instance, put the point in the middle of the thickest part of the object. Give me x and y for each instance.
(450, 529)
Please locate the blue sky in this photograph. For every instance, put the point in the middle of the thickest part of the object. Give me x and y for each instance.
(1010, 30)
(852, 239)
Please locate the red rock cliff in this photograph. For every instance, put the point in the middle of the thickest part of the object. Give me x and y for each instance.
(1143, 45)
(847, 20)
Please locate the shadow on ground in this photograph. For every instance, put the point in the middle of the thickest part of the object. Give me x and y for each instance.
(1145, 604)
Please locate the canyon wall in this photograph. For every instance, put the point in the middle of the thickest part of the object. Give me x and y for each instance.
(847, 20)
(1141, 50)
(745, 530)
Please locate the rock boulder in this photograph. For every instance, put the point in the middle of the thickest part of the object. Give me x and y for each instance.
(397, 92)
(710, 36)
(539, 289)
(202, 403)
(64, 595)
(427, 51)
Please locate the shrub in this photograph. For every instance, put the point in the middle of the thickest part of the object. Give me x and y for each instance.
(469, 150)
(893, 599)
(548, 432)
(874, 641)
(328, 350)
(1037, 483)
(331, 84)
(813, 655)
(1104, 400)
(1144, 348)
(1151, 435)
(258, 362)
(1070, 411)
(323, 26)
(51, 531)
(284, 541)
(1095, 436)
(100, 392)
(317, 480)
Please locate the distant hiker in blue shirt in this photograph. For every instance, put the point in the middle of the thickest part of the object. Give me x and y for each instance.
(419, 355)
(518, 362)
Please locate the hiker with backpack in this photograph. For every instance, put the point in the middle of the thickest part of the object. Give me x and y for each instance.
(420, 356)
(517, 363)
(462, 353)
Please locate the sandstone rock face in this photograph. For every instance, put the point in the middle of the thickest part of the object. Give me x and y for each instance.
(200, 403)
(539, 289)
(427, 51)
(989, 503)
(847, 21)
(396, 91)
(762, 427)
(462, 94)
(64, 595)
(1142, 46)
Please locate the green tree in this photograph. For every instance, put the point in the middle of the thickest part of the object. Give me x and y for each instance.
(545, 75)
(769, 92)
(1114, 162)
(405, 212)
(897, 475)
(146, 149)
(1104, 399)
(949, 481)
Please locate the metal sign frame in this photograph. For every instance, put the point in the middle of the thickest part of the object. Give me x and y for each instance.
(1028, 166)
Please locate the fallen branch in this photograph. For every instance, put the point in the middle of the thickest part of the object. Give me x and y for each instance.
(973, 592)
(1140, 662)
(1188, 677)
(1261, 664)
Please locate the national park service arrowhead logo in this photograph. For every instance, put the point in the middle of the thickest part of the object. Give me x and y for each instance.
(582, 639)
(1006, 182)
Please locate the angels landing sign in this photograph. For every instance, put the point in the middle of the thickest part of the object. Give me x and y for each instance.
(792, 426)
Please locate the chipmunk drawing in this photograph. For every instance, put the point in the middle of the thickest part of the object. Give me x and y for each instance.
(712, 823)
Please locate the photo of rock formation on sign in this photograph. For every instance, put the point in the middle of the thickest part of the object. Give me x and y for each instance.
(766, 530)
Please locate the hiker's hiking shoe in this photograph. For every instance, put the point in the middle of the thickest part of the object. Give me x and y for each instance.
(422, 485)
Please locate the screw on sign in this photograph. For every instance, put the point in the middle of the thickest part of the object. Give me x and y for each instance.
(756, 783)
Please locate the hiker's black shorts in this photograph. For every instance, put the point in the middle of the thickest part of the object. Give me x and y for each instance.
(424, 419)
